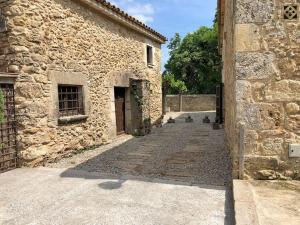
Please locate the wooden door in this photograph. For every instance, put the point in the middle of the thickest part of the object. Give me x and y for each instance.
(120, 109)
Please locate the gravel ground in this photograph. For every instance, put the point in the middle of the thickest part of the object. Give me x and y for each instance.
(186, 152)
(178, 175)
(42, 196)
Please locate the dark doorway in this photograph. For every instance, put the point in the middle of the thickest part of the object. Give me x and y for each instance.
(120, 109)
(8, 132)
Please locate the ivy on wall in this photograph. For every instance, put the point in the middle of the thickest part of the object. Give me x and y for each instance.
(137, 97)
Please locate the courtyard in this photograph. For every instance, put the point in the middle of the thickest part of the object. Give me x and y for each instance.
(84, 85)
(179, 174)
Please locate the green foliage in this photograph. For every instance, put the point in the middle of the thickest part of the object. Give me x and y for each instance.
(1, 106)
(195, 61)
(173, 86)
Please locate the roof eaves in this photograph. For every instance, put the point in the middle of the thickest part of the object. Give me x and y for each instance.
(116, 13)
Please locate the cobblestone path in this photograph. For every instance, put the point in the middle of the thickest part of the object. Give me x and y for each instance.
(187, 152)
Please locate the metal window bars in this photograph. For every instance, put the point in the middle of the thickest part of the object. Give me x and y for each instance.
(70, 100)
(8, 131)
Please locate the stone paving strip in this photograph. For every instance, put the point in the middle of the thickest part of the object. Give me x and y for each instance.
(267, 202)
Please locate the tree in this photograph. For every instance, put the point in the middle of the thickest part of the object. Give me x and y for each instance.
(172, 85)
(195, 60)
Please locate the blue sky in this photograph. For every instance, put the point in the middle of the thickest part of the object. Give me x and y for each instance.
(171, 16)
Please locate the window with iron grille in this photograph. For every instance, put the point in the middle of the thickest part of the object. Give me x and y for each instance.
(70, 100)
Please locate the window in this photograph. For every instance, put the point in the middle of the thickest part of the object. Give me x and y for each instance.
(149, 55)
(290, 12)
(3, 23)
(70, 100)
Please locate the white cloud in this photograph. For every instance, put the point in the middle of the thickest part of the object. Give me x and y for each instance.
(139, 8)
(143, 12)
(114, 3)
(143, 18)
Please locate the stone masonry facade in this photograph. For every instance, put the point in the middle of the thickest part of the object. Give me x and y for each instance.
(86, 43)
(260, 42)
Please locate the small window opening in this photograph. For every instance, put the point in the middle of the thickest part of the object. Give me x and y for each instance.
(70, 100)
(149, 55)
(3, 22)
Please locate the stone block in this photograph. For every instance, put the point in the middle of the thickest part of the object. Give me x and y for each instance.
(293, 124)
(19, 21)
(260, 115)
(33, 153)
(266, 175)
(254, 11)
(250, 141)
(256, 163)
(243, 91)
(292, 108)
(258, 91)
(284, 90)
(171, 120)
(247, 38)
(29, 90)
(271, 146)
(254, 65)
(189, 119)
(33, 109)
(206, 119)
(267, 133)
(13, 69)
(19, 49)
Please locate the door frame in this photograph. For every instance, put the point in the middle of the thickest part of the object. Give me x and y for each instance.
(128, 116)
(119, 79)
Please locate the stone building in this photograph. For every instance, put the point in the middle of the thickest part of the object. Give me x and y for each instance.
(260, 46)
(79, 73)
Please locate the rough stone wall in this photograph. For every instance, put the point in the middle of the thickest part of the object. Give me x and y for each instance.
(192, 103)
(64, 36)
(267, 74)
(229, 80)
(5, 36)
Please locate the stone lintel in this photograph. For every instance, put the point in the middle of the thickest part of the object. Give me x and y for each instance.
(8, 77)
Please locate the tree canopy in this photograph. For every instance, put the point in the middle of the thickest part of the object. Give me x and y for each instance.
(195, 61)
(174, 86)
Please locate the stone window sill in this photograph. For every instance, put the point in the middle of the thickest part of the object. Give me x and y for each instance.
(72, 119)
(9, 75)
(150, 65)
